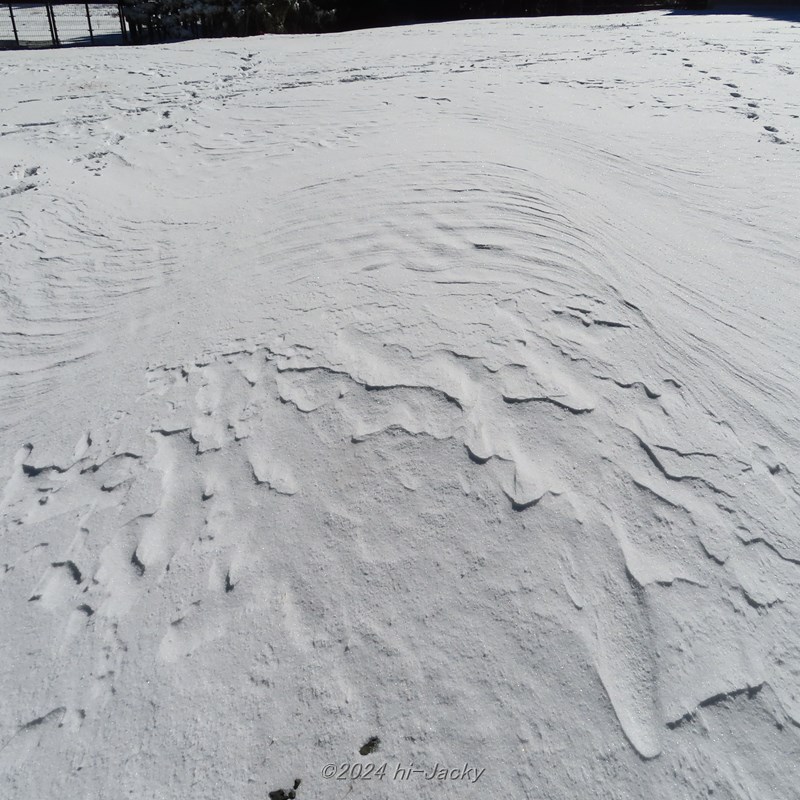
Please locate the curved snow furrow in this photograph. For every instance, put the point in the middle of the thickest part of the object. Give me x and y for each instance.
(432, 230)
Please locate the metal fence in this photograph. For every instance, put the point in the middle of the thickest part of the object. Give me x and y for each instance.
(58, 24)
(61, 24)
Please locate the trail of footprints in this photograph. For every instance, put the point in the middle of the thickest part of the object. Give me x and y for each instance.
(752, 105)
(22, 178)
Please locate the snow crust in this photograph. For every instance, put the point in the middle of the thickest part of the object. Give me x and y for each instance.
(435, 384)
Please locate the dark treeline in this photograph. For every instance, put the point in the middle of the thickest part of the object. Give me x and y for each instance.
(368, 13)
(156, 20)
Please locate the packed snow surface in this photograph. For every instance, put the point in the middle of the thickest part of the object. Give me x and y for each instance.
(437, 384)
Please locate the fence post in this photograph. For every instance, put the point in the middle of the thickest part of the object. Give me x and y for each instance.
(122, 23)
(89, 20)
(51, 18)
(13, 23)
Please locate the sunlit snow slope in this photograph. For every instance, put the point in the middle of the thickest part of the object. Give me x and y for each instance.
(438, 384)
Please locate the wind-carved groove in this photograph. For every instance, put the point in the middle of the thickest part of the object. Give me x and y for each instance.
(172, 431)
(634, 582)
(770, 546)
(753, 603)
(34, 723)
(676, 478)
(715, 558)
(545, 399)
(610, 323)
(650, 393)
(687, 454)
(370, 387)
(649, 489)
(96, 467)
(717, 699)
(517, 506)
(71, 567)
(32, 471)
(475, 458)
(137, 563)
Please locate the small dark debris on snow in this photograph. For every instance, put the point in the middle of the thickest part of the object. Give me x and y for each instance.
(370, 746)
(283, 794)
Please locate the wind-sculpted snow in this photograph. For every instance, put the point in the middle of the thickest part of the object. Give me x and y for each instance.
(434, 388)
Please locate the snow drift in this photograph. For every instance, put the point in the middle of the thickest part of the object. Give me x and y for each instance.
(436, 384)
